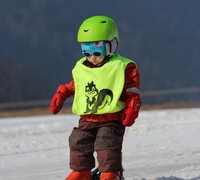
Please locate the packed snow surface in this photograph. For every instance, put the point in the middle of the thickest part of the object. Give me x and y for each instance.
(162, 144)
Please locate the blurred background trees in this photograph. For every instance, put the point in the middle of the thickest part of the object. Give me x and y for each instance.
(38, 46)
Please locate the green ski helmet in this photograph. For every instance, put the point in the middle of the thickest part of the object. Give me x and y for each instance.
(100, 28)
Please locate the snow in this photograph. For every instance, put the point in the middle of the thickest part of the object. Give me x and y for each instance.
(162, 144)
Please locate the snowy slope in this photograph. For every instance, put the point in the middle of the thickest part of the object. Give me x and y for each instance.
(162, 144)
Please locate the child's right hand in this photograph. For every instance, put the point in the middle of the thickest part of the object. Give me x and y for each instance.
(58, 99)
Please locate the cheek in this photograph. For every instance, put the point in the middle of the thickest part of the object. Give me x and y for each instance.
(100, 59)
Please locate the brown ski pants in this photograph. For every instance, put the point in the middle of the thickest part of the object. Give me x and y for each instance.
(105, 138)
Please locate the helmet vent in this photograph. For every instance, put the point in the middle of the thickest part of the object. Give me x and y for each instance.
(86, 30)
(103, 21)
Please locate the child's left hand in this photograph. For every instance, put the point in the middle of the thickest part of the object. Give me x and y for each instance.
(131, 110)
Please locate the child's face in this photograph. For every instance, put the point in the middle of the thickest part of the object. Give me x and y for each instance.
(94, 51)
(95, 60)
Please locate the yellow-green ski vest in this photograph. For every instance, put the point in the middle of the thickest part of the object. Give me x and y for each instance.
(97, 90)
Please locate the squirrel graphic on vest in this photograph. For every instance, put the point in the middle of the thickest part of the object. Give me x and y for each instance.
(96, 99)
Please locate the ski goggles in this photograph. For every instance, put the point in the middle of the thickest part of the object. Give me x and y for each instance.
(96, 49)
(89, 54)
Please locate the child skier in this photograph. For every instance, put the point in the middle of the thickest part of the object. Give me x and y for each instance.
(106, 90)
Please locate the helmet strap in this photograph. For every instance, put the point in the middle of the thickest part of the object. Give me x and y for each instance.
(111, 46)
(108, 48)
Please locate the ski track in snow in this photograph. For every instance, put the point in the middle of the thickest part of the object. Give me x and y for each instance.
(161, 145)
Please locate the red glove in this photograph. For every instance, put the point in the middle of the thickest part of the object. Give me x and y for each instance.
(58, 99)
(131, 110)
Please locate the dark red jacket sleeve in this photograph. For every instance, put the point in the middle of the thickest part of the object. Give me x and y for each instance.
(70, 87)
(132, 82)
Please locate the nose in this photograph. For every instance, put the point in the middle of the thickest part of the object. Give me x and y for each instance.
(93, 57)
